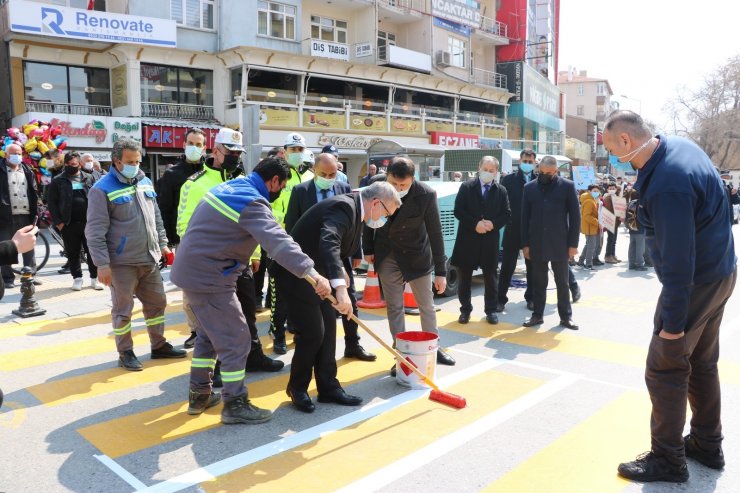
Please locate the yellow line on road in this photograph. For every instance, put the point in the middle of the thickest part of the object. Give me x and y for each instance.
(326, 464)
(585, 458)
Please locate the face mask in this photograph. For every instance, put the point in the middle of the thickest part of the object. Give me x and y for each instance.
(130, 170)
(71, 170)
(193, 153)
(545, 179)
(294, 159)
(595, 195)
(15, 159)
(231, 162)
(87, 166)
(403, 193)
(324, 183)
(486, 176)
(526, 167)
(611, 192)
(376, 223)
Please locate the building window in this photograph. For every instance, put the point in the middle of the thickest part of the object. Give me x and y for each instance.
(193, 13)
(79, 86)
(579, 110)
(580, 89)
(601, 89)
(79, 4)
(276, 20)
(458, 51)
(176, 85)
(385, 39)
(327, 29)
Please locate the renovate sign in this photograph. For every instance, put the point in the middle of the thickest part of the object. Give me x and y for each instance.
(462, 11)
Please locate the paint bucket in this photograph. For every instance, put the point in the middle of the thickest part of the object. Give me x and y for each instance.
(420, 348)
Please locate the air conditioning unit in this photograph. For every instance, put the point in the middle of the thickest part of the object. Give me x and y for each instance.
(442, 59)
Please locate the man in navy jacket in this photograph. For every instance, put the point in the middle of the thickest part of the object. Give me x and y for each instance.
(684, 211)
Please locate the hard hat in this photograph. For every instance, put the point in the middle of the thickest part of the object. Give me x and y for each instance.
(230, 139)
(308, 157)
(294, 139)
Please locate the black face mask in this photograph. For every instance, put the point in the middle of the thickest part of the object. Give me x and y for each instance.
(71, 170)
(274, 195)
(545, 179)
(230, 162)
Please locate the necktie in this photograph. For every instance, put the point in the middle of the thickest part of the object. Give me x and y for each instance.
(486, 188)
(324, 194)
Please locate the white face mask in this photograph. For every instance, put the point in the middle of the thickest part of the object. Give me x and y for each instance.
(486, 176)
(87, 166)
(15, 159)
(403, 193)
(193, 153)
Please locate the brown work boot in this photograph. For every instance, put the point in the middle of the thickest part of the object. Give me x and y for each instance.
(197, 403)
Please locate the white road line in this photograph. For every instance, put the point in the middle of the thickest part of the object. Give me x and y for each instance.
(120, 471)
(445, 445)
(230, 464)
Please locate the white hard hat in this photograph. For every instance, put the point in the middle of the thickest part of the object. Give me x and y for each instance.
(294, 139)
(230, 139)
(307, 156)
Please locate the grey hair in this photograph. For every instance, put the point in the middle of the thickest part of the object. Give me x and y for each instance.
(87, 154)
(383, 191)
(486, 159)
(124, 144)
(548, 161)
(628, 122)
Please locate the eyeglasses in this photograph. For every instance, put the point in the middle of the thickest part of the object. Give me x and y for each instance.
(386, 209)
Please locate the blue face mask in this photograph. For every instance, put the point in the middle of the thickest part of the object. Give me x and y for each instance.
(624, 167)
(130, 170)
(526, 167)
(595, 195)
(324, 183)
(376, 223)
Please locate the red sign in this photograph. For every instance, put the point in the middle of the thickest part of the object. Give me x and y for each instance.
(170, 137)
(449, 139)
(95, 129)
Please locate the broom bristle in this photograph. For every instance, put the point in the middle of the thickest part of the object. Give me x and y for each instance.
(453, 400)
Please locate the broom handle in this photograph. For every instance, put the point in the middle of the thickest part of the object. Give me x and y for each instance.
(375, 336)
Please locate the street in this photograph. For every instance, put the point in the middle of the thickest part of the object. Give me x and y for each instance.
(549, 409)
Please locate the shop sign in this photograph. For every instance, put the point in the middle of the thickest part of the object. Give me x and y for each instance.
(326, 119)
(406, 125)
(463, 11)
(51, 20)
(449, 139)
(278, 116)
(347, 141)
(530, 87)
(171, 137)
(452, 26)
(325, 49)
(358, 121)
(363, 50)
(89, 131)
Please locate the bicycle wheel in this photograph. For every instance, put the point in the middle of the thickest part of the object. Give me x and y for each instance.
(41, 253)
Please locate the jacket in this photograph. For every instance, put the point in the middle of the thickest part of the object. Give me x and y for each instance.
(60, 196)
(514, 185)
(193, 189)
(124, 226)
(413, 234)
(6, 212)
(226, 227)
(589, 215)
(168, 194)
(473, 250)
(684, 212)
(8, 253)
(550, 219)
(303, 196)
(280, 206)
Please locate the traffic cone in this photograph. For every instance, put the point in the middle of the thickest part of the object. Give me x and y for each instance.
(410, 307)
(371, 297)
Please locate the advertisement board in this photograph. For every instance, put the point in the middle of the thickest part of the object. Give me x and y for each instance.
(87, 132)
(449, 139)
(465, 12)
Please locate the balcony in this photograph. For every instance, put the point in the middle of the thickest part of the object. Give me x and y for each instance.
(401, 11)
(67, 109)
(492, 32)
(179, 111)
(490, 79)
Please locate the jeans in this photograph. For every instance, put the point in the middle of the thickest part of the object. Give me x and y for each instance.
(611, 243)
(636, 254)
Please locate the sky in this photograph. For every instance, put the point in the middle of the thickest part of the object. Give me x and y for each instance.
(648, 49)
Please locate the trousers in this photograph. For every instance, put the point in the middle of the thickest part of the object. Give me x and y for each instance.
(508, 265)
(490, 290)
(146, 282)
(73, 235)
(560, 270)
(7, 230)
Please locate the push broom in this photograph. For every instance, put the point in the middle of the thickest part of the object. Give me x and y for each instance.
(436, 394)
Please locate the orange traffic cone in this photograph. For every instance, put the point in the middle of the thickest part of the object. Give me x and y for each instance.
(371, 297)
(410, 307)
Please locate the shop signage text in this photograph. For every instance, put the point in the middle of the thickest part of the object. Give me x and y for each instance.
(530, 87)
(452, 26)
(450, 139)
(88, 131)
(169, 137)
(463, 11)
(347, 142)
(326, 49)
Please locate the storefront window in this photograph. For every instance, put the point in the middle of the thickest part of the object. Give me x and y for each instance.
(49, 83)
(176, 85)
(268, 87)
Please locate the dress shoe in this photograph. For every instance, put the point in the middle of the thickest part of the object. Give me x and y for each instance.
(530, 306)
(240, 410)
(197, 403)
(712, 459)
(569, 324)
(611, 260)
(301, 400)
(339, 396)
(597, 262)
(463, 318)
(491, 318)
(444, 359)
(190, 341)
(129, 361)
(533, 320)
(640, 268)
(167, 351)
(279, 345)
(576, 294)
(259, 361)
(64, 269)
(357, 351)
(649, 467)
(9, 284)
(500, 307)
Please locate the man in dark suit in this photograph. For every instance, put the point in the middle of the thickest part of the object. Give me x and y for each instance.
(328, 232)
(514, 185)
(304, 196)
(408, 249)
(482, 207)
(550, 233)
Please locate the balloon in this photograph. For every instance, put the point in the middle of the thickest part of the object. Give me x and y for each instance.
(42, 148)
(22, 139)
(62, 146)
(29, 128)
(2, 154)
(35, 155)
(13, 132)
(42, 163)
(30, 145)
(51, 145)
(45, 172)
(55, 132)
(37, 132)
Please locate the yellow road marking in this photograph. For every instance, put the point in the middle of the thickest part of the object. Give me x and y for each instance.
(317, 466)
(585, 458)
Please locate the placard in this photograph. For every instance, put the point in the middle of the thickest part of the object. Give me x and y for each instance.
(608, 220)
(620, 206)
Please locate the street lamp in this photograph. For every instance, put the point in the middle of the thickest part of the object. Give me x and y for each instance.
(639, 102)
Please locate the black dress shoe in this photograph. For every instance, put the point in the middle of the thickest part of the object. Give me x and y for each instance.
(533, 320)
(463, 318)
(569, 324)
(491, 318)
(500, 307)
(167, 351)
(576, 294)
(359, 352)
(339, 396)
(597, 262)
(129, 361)
(393, 371)
(301, 400)
(530, 306)
(190, 341)
(445, 359)
(279, 346)
(259, 361)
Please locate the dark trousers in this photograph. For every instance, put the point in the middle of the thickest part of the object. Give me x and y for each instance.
(611, 242)
(73, 235)
(279, 307)
(7, 230)
(508, 265)
(245, 293)
(259, 276)
(686, 368)
(351, 337)
(539, 286)
(490, 292)
(572, 283)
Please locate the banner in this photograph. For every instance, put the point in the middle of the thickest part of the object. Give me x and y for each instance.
(608, 220)
(583, 176)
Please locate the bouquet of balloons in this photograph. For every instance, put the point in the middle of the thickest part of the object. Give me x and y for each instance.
(38, 140)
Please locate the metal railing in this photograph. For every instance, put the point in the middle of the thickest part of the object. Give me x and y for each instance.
(67, 108)
(488, 78)
(171, 110)
(492, 26)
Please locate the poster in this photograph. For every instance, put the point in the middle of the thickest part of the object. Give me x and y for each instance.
(620, 206)
(278, 116)
(359, 121)
(325, 119)
(608, 220)
(406, 125)
(583, 176)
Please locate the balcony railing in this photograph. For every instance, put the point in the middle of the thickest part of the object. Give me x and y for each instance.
(492, 26)
(171, 110)
(67, 109)
(487, 78)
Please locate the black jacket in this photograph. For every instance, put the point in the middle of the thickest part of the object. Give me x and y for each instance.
(8, 253)
(473, 250)
(59, 196)
(551, 219)
(303, 196)
(413, 234)
(6, 212)
(168, 194)
(514, 185)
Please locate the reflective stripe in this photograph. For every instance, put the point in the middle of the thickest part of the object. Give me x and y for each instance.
(232, 376)
(182, 219)
(203, 363)
(145, 188)
(155, 320)
(121, 193)
(221, 207)
(122, 330)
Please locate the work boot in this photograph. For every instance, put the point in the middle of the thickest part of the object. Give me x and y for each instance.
(129, 361)
(239, 410)
(258, 361)
(649, 467)
(279, 346)
(197, 403)
(714, 459)
(167, 351)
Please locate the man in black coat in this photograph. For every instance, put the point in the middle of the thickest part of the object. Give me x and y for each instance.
(327, 232)
(409, 248)
(304, 196)
(482, 207)
(550, 232)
